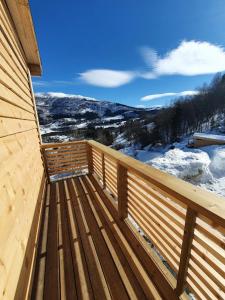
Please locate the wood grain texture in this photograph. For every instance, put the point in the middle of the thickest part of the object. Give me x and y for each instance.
(186, 250)
(184, 224)
(21, 172)
(22, 19)
(91, 259)
(193, 196)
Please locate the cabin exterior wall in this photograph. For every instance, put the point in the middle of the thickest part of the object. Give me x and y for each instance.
(21, 171)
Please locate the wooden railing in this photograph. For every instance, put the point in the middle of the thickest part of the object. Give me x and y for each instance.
(183, 224)
(65, 159)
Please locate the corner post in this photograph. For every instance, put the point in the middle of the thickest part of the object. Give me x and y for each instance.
(122, 191)
(89, 158)
(45, 163)
(189, 228)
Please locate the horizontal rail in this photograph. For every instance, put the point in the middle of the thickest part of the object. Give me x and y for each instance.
(184, 224)
(50, 145)
(206, 203)
(65, 159)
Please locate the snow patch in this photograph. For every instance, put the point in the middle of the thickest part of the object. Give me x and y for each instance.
(204, 166)
(119, 117)
(62, 95)
(192, 166)
(217, 165)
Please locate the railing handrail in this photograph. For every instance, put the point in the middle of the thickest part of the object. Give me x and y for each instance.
(203, 202)
(52, 145)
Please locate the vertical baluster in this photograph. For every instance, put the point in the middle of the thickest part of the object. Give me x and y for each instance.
(122, 190)
(89, 158)
(103, 169)
(186, 250)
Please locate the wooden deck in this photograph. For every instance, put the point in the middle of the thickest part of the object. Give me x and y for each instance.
(98, 216)
(79, 256)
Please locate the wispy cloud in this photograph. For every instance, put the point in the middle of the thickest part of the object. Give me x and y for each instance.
(65, 82)
(40, 83)
(107, 78)
(189, 58)
(180, 94)
(54, 83)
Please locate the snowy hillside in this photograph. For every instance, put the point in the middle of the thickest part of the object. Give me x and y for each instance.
(204, 166)
(67, 117)
(63, 114)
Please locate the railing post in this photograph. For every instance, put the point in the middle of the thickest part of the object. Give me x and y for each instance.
(122, 191)
(89, 158)
(45, 163)
(103, 169)
(186, 250)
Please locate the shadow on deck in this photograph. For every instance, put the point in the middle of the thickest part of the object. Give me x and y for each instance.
(79, 256)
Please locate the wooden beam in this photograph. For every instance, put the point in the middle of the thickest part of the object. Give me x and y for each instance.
(35, 69)
(22, 19)
(186, 250)
(45, 164)
(58, 145)
(122, 191)
(90, 159)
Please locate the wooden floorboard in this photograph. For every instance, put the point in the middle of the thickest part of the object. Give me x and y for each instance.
(79, 256)
(67, 255)
(133, 287)
(92, 264)
(51, 286)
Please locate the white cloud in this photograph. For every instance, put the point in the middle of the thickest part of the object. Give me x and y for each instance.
(189, 58)
(40, 83)
(107, 78)
(180, 94)
(149, 55)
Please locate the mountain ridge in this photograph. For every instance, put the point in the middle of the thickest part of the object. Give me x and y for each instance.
(60, 113)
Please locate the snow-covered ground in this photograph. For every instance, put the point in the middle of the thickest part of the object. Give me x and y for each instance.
(204, 166)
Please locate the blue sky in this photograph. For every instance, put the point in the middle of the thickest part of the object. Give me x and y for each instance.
(128, 50)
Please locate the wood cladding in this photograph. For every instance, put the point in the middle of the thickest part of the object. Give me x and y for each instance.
(21, 170)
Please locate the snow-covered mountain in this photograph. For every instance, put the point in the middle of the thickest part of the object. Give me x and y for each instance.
(60, 113)
(59, 105)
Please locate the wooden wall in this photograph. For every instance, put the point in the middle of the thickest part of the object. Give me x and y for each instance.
(21, 169)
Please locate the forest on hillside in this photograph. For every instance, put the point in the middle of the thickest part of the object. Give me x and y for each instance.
(185, 116)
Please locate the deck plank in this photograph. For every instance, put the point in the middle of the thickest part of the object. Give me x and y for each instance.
(95, 276)
(79, 256)
(51, 285)
(83, 284)
(38, 279)
(116, 287)
(68, 260)
(133, 287)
